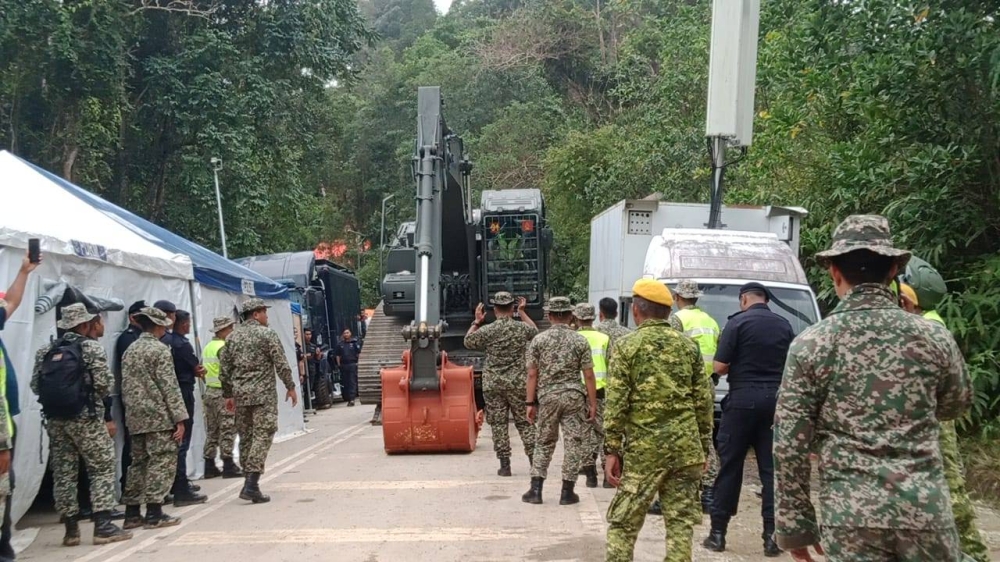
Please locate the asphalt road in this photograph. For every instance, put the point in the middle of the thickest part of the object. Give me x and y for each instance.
(337, 496)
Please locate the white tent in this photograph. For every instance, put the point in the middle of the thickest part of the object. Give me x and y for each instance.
(106, 251)
(82, 247)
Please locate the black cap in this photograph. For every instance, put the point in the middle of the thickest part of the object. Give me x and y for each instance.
(165, 306)
(754, 286)
(136, 307)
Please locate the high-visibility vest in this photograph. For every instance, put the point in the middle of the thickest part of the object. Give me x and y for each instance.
(210, 359)
(704, 330)
(933, 316)
(599, 354)
(3, 396)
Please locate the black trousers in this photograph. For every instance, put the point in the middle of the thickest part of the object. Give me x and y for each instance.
(187, 391)
(349, 380)
(747, 422)
(126, 446)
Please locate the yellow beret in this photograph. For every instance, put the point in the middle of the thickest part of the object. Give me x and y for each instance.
(653, 291)
(908, 292)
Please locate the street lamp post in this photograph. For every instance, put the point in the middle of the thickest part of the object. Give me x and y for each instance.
(216, 166)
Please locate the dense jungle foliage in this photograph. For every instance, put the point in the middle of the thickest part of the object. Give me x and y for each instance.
(876, 107)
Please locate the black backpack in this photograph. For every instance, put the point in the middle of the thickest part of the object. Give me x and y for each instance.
(63, 386)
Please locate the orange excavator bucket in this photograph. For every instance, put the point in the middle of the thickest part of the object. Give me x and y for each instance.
(429, 421)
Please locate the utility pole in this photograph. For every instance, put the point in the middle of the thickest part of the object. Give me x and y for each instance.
(216, 166)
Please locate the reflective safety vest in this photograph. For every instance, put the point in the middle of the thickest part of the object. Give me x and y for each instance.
(3, 397)
(933, 316)
(599, 354)
(210, 359)
(704, 330)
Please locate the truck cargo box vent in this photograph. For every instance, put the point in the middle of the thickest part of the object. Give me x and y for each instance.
(640, 222)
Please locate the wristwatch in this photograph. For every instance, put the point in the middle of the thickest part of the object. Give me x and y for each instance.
(535, 403)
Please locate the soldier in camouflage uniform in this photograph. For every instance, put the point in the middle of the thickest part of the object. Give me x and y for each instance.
(253, 355)
(658, 422)
(608, 323)
(155, 414)
(86, 436)
(504, 375)
(865, 389)
(555, 359)
(954, 469)
(220, 424)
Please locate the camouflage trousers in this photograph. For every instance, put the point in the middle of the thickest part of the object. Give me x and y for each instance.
(642, 480)
(593, 442)
(501, 404)
(568, 409)
(256, 425)
(154, 465)
(850, 544)
(961, 505)
(708, 480)
(220, 426)
(69, 442)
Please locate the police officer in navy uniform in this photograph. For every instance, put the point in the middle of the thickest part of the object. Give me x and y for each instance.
(751, 353)
(346, 355)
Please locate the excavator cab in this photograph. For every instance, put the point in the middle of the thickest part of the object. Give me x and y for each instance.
(515, 244)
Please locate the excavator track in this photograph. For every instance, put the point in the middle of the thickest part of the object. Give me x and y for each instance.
(384, 347)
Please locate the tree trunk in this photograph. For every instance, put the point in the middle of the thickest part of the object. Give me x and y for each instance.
(70, 153)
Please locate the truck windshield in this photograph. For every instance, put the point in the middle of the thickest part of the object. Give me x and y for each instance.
(795, 305)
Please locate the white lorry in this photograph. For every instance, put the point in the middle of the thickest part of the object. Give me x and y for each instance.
(669, 242)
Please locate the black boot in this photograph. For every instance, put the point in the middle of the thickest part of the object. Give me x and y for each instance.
(655, 508)
(504, 467)
(133, 517)
(534, 494)
(251, 489)
(230, 469)
(106, 532)
(591, 472)
(771, 549)
(86, 514)
(156, 519)
(716, 541)
(188, 496)
(211, 470)
(606, 485)
(72, 537)
(707, 496)
(568, 497)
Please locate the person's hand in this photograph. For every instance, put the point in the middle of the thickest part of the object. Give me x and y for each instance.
(592, 412)
(4, 462)
(704, 467)
(200, 371)
(112, 428)
(521, 303)
(613, 469)
(293, 396)
(179, 433)
(532, 410)
(480, 313)
(230, 405)
(803, 555)
(27, 266)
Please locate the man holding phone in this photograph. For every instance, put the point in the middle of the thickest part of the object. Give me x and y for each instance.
(9, 302)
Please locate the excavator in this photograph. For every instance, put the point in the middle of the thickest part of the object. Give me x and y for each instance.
(440, 267)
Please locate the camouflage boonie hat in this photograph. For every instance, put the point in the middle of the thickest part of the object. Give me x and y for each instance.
(559, 304)
(863, 232)
(503, 298)
(221, 323)
(688, 289)
(584, 311)
(156, 316)
(252, 305)
(74, 315)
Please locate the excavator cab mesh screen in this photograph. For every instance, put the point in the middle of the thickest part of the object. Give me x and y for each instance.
(513, 255)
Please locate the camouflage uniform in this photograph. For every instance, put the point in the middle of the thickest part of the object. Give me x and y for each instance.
(505, 379)
(85, 437)
(560, 354)
(153, 408)
(864, 390)
(252, 358)
(658, 417)
(613, 330)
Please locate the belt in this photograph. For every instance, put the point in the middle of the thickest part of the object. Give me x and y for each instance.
(760, 385)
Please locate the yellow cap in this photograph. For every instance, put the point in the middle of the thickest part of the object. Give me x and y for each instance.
(908, 293)
(653, 291)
